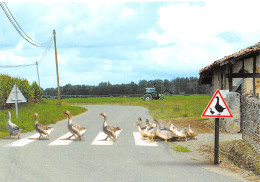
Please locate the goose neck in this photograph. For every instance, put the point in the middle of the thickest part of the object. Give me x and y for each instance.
(105, 120)
(69, 119)
(9, 117)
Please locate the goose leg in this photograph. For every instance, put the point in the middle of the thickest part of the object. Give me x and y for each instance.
(9, 136)
(106, 138)
(70, 136)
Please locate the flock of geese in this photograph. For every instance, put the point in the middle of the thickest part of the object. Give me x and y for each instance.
(150, 131)
(76, 130)
(154, 130)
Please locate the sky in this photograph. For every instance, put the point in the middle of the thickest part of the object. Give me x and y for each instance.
(124, 41)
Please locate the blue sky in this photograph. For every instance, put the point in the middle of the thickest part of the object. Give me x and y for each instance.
(124, 41)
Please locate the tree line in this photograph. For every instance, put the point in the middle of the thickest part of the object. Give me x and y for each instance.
(180, 85)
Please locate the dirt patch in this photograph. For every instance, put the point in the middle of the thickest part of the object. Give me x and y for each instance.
(201, 126)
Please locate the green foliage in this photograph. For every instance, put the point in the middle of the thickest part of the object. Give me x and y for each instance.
(31, 93)
(37, 92)
(49, 113)
(180, 148)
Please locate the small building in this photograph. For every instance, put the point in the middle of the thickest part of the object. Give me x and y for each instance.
(239, 72)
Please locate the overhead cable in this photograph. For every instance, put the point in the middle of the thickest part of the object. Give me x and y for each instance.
(18, 27)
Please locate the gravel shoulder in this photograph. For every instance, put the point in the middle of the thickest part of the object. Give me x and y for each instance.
(201, 154)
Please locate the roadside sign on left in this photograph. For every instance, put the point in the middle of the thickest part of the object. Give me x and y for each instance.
(16, 96)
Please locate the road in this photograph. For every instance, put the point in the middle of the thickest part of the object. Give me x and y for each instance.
(73, 161)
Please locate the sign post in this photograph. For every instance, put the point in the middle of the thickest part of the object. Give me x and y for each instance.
(16, 96)
(217, 108)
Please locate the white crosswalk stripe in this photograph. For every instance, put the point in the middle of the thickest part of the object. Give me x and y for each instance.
(140, 142)
(27, 140)
(63, 140)
(99, 140)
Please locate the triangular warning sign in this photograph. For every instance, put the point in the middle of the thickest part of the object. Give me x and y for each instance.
(15, 96)
(217, 107)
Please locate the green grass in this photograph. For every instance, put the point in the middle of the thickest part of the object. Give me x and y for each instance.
(171, 108)
(49, 113)
(180, 148)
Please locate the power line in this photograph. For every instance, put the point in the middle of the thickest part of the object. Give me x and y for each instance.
(15, 24)
(39, 61)
(16, 66)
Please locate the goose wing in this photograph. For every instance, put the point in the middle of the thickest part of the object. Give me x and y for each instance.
(41, 128)
(77, 127)
(15, 127)
(113, 128)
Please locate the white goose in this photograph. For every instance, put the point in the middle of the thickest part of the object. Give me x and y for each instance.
(142, 130)
(74, 128)
(181, 133)
(109, 130)
(163, 133)
(40, 128)
(12, 128)
(192, 133)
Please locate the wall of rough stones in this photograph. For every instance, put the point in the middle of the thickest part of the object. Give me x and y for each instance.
(250, 117)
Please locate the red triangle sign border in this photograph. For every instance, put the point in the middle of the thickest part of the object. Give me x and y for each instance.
(217, 116)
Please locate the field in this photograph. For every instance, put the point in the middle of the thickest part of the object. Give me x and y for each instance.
(171, 108)
(180, 110)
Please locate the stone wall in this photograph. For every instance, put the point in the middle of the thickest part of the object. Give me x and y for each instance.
(250, 117)
(232, 125)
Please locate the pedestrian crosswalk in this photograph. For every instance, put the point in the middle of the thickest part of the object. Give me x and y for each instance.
(100, 139)
(65, 140)
(27, 140)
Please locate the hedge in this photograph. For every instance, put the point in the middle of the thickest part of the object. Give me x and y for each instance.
(32, 93)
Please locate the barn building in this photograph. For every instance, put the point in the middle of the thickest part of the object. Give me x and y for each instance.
(239, 72)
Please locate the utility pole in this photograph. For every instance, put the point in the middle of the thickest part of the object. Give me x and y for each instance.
(38, 74)
(57, 69)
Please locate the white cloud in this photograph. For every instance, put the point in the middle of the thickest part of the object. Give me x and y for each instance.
(127, 12)
(122, 42)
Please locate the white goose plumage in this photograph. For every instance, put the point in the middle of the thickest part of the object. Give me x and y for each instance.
(40, 128)
(75, 129)
(12, 128)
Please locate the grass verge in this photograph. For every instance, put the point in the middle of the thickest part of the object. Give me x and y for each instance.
(48, 110)
(180, 148)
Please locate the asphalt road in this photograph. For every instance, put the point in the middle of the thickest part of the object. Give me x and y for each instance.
(82, 161)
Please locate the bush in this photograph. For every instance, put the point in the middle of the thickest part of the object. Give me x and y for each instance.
(37, 92)
(31, 93)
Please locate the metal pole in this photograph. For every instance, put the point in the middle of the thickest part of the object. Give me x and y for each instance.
(216, 147)
(38, 74)
(57, 69)
(16, 102)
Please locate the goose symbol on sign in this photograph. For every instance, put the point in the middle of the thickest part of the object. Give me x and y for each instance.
(217, 107)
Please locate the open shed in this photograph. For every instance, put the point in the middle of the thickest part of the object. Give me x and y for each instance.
(238, 72)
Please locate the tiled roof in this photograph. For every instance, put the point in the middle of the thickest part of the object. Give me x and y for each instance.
(226, 59)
